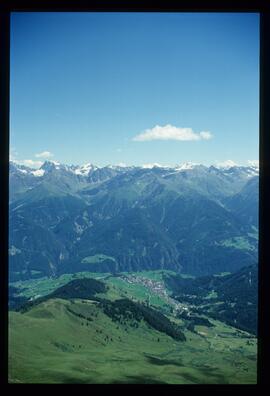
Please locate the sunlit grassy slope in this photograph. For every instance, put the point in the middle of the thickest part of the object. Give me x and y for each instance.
(51, 343)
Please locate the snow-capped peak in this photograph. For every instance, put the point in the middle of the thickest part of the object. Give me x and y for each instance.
(122, 165)
(15, 165)
(229, 166)
(84, 169)
(56, 164)
(186, 166)
(22, 170)
(38, 172)
(226, 164)
(154, 165)
(48, 165)
(253, 164)
(253, 172)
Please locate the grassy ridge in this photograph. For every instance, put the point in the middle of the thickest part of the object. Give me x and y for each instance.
(49, 344)
(126, 309)
(118, 310)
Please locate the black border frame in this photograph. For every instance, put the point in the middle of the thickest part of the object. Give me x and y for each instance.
(263, 368)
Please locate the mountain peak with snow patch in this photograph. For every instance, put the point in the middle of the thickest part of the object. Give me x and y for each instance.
(186, 166)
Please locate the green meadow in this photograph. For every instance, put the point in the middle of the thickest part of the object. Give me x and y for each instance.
(48, 344)
(53, 342)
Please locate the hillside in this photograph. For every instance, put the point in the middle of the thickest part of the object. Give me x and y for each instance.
(198, 220)
(232, 298)
(109, 339)
(118, 310)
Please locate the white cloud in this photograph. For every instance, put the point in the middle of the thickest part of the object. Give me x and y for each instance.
(206, 135)
(44, 154)
(226, 164)
(170, 132)
(254, 163)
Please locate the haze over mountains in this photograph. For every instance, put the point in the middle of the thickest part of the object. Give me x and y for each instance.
(190, 218)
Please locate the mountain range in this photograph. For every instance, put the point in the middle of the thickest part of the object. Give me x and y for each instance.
(190, 218)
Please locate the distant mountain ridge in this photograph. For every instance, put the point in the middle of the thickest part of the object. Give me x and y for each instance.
(190, 218)
(87, 168)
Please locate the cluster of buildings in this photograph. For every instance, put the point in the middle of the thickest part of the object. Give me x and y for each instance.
(156, 287)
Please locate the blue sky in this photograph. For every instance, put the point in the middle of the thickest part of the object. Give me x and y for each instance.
(134, 88)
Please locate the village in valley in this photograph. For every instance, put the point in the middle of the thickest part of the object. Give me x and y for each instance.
(158, 288)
